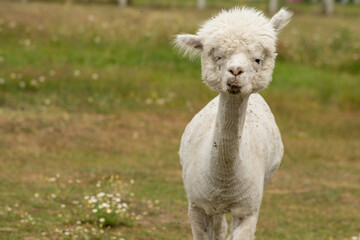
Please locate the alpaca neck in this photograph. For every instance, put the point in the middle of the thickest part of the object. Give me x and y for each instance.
(229, 126)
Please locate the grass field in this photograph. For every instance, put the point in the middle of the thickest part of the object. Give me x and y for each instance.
(93, 101)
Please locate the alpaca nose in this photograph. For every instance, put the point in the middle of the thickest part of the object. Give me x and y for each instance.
(235, 70)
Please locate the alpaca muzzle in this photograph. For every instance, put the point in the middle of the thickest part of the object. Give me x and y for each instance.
(233, 86)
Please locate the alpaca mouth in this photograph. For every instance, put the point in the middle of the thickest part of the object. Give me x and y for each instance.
(233, 90)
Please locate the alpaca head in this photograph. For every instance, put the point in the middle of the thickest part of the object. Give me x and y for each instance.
(237, 49)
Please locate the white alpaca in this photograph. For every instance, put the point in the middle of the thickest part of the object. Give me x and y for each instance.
(232, 147)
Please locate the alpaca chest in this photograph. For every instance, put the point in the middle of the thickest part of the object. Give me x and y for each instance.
(225, 197)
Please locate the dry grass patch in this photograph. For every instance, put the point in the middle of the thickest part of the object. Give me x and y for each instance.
(318, 177)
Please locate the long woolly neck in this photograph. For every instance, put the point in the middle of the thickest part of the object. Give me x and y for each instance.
(227, 136)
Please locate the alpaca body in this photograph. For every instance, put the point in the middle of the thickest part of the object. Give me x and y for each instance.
(232, 147)
(240, 187)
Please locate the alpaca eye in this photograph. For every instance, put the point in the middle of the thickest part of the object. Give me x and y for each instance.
(217, 59)
(257, 61)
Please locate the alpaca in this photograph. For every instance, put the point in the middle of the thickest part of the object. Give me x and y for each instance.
(232, 147)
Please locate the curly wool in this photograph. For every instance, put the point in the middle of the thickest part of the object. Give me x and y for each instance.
(232, 147)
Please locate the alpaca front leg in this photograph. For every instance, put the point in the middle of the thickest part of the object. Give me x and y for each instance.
(200, 223)
(219, 227)
(243, 228)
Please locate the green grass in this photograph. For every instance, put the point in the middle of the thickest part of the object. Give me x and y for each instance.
(93, 91)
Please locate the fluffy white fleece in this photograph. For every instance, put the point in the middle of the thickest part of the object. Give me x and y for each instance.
(232, 147)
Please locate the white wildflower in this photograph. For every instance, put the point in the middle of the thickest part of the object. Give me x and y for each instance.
(42, 79)
(94, 76)
(148, 101)
(12, 24)
(102, 220)
(27, 42)
(104, 205)
(101, 194)
(94, 210)
(50, 179)
(52, 73)
(48, 102)
(105, 25)
(91, 18)
(135, 135)
(77, 73)
(34, 83)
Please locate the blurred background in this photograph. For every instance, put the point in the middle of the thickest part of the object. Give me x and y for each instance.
(93, 102)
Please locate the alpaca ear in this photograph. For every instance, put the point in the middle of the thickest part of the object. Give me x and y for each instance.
(188, 44)
(281, 19)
